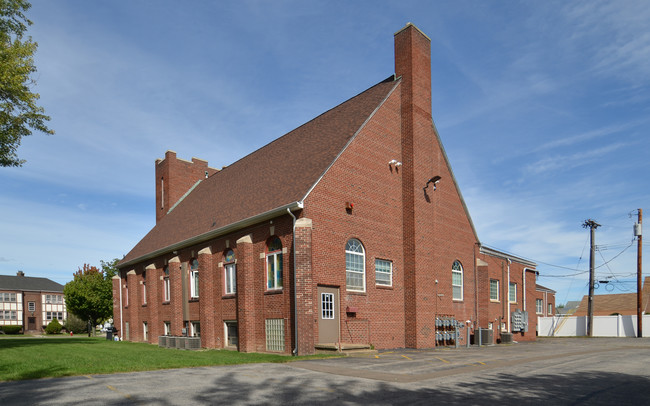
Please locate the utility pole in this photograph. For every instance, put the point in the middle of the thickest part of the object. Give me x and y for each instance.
(639, 288)
(592, 256)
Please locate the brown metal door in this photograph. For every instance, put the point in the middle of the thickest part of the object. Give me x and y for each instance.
(328, 315)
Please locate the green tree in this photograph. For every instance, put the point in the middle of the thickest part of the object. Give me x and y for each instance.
(89, 295)
(19, 113)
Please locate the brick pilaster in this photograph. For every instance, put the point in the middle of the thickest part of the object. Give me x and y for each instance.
(246, 294)
(207, 291)
(304, 287)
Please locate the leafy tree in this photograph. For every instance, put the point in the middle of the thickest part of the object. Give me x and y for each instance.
(75, 325)
(89, 295)
(19, 114)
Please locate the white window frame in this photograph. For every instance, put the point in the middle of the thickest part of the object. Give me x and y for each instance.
(539, 306)
(167, 328)
(497, 290)
(383, 267)
(457, 269)
(230, 277)
(166, 286)
(31, 306)
(194, 279)
(550, 309)
(327, 306)
(274, 271)
(145, 331)
(195, 329)
(355, 254)
(512, 299)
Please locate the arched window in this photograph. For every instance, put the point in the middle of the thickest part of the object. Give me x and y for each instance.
(230, 273)
(274, 264)
(355, 266)
(194, 278)
(457, 281)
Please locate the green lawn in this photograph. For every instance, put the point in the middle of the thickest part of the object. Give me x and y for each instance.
(36, 357)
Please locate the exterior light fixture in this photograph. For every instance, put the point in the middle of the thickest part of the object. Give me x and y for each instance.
(433, 180)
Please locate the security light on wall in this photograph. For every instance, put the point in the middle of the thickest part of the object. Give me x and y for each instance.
(433, 180)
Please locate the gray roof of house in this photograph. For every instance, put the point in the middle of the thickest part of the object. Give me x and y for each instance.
(27, 283)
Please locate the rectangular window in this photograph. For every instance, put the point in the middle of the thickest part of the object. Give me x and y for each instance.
(144, 292)
(275, 334)
(126, 296)
(48, 298)
(494, 290)
(167, 328)
(166, 290)
(383, 272)
(13, 315)
(12, 297)
(327, 306)
(194, 283)
(550, 309)
(457, 285)
(274, 270)
(48, 316)
(31, 306)
(232, 338)
(195, 329)
(145, 331)
(512, 293)
(539, 305)
(231, 279)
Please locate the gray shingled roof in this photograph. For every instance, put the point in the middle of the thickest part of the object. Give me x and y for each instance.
(274, 176)
(28, 283)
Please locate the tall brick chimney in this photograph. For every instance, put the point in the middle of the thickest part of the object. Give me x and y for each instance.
(413, 65)
(174, 177)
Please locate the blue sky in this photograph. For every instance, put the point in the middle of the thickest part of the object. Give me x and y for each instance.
(543, 108)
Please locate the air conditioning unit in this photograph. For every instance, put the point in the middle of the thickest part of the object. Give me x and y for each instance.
(506, 338)
(487, 337)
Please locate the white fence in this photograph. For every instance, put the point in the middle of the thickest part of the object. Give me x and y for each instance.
(604, 326)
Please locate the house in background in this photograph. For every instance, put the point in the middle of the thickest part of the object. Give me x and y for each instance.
(30, 302)
(349, 230)
(624, 304)
(544, 301)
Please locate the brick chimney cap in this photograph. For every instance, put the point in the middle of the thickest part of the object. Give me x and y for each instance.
(408, 25)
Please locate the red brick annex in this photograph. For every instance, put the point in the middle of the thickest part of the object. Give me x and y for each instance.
(349, 230)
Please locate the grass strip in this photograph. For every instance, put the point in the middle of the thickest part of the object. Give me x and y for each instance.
(49, 357)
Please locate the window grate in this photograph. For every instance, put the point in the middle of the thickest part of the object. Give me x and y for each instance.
(275, 334)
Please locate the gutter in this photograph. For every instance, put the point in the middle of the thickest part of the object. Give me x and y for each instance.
(216, 233)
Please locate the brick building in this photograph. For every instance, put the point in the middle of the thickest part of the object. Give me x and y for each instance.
(350, 229)
(30, 302)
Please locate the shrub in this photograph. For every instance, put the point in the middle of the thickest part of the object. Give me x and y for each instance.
(75, 325)
(11, 329)
(54, 327)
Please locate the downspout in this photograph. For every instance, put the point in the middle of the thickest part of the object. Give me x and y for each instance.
(121, 318)
(475, 287)
(523, 275)
(295, 291)
(508, 299)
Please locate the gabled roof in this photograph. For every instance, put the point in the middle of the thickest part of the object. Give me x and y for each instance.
(27, 283)
(621, 303)
(270, 180)
(543, 288)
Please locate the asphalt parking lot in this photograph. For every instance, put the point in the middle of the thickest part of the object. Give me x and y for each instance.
(557, 371)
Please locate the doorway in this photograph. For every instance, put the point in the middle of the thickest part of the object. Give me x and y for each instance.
(328, 315)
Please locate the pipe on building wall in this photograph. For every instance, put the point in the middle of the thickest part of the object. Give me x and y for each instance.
(295, 291)
(508, 261)
(121, 318)
(523, 276)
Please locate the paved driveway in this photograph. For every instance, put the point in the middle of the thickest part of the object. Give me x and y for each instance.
(551, 371)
